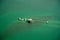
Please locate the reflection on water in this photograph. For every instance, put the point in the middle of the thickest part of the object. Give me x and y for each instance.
(21, 27)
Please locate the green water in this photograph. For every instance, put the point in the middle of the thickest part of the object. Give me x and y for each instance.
(12, 29)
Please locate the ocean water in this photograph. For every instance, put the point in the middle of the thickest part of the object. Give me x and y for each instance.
(12, 29)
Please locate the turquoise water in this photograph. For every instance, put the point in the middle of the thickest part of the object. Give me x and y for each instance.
(12, 29)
